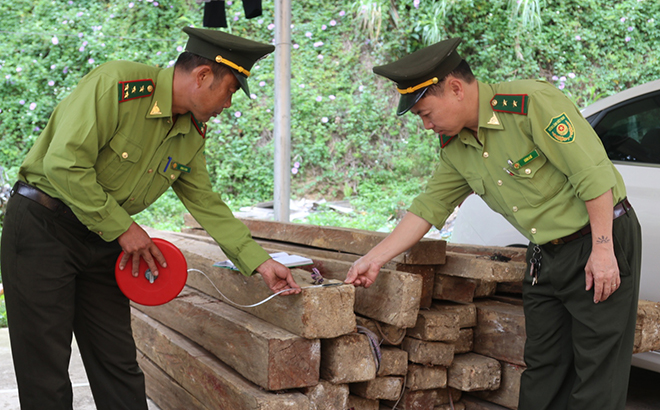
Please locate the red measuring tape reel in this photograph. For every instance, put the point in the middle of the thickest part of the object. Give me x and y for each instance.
(147, 289)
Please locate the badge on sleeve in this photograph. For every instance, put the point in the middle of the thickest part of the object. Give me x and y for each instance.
(561, 129)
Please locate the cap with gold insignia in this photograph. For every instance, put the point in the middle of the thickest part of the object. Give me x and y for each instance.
(415, 72)
(238, 53)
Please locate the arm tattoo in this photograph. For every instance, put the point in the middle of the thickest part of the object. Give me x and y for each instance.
(603, 239)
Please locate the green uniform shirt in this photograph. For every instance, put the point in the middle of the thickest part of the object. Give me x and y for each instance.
(111, 148)
(536, 161)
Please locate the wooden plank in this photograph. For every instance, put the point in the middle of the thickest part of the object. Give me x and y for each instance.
(356, 241)
(454, 288)
(447, 396)
(492, 252)
(393, 362)
(647, 329)
(360, 403)
(214, 384)
(347, 359)
(471, 372)
(426, 377)
(414, 400)
(393, 299)
(465, 342)
(467, 312)
(473, 403)
(380, 388)
(388, 335)
(500, 331)
(427, 272)
(509, 390)
(314, 313)
(327, 396)
(436, 325)
(481, 267)
(428, 353)
(268, 356)
(165, 391)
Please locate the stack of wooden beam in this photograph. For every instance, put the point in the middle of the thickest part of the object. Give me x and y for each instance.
(434, 332)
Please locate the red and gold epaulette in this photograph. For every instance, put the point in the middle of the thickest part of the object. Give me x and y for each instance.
(130, 90)
(510, 103)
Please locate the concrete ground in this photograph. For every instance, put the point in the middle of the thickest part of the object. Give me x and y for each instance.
(643, 394)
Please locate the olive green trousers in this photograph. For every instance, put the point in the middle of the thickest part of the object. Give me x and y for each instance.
(578, 353)
(59, 280)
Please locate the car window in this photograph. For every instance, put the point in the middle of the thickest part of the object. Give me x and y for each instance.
(631, 130)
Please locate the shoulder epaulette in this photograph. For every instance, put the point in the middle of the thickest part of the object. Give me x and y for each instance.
(201, 126)
(130, 90)
(510, 103)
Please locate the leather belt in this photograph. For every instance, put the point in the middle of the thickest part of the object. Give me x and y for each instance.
(619, 209)
(40, 197)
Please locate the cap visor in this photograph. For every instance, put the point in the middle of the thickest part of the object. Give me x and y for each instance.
(407, 101)
(242, 80)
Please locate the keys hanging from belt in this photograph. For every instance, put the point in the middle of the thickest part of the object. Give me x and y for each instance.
(535, 265)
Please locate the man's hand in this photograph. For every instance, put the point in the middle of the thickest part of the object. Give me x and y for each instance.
(278, 277)
(602, 273)
(362, 273)
(137, 244)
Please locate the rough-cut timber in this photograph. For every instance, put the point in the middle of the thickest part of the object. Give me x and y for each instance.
(447, 396)
(507, 394)
(465, 342)
(473, 403)
(210, 381)
(427, 273)
(268, 356)
(347, 359)
(165, 391)
(314, 313)
(426, 377)
(380, 388)
(414, 400)
(393, 299)
(393, 362)
(327, 396)
(356, 241)
(459, 289)
(500, 331)
(481, 267)
(473, 372)
(454, 406)
(647, 330)
(467, 312)
(387, 334)
(428, 353)
(357, 402)
(436, 325)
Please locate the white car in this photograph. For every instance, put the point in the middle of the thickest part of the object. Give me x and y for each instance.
(628, 123)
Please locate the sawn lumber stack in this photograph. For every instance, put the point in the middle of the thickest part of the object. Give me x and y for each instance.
(448, 321)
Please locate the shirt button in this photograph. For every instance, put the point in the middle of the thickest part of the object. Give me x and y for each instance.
(124, 155)
(150, 171)
(499, 182)
(132, 199)
(100, 233)
(485, 155)
(533, 231)
(528, 171)
(515, 209)
(172, 176)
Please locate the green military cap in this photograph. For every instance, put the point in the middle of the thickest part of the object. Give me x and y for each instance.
(238, 53)
(415, 72)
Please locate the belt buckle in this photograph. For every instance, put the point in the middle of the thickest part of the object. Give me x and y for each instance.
(558, 241)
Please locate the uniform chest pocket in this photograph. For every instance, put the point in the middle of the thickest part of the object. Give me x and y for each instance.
(116, 161)
(539, 180)
(162, 180)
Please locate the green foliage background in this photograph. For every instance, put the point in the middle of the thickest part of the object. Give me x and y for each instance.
(345, 134)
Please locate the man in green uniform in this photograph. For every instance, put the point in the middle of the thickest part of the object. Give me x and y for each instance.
(125, 135)
(525, 149)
